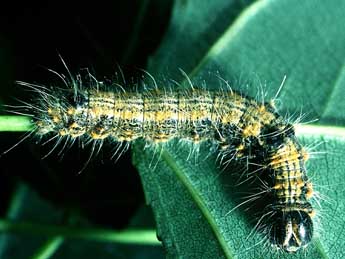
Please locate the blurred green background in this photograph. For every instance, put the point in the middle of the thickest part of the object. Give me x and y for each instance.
(106, 195)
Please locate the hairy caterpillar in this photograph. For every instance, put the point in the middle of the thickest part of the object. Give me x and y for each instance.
(239, 126)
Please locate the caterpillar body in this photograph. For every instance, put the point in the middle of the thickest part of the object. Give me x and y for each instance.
(238, 125)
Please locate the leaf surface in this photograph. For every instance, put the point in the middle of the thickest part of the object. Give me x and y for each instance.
(191, 196)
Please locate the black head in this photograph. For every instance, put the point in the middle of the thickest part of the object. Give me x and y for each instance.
(291, 230)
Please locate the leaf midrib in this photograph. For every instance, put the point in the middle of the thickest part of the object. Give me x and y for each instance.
(181, 175)
(229, 34)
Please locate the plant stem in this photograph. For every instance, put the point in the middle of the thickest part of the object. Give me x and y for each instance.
(49, 248)
(129, 236)
(15, 123)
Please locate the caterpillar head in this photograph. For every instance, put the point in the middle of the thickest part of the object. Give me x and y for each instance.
(291, 230)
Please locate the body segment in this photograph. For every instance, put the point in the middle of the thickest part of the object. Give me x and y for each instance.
(238, 125)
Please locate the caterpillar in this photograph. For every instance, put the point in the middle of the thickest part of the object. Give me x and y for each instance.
(239, 126)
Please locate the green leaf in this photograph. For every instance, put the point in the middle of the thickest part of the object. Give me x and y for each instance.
(304, 40)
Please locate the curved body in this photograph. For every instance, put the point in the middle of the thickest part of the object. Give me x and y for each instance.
(238, 125)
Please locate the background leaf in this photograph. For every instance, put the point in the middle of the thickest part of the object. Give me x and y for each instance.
(73, 235)
(269, 39)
